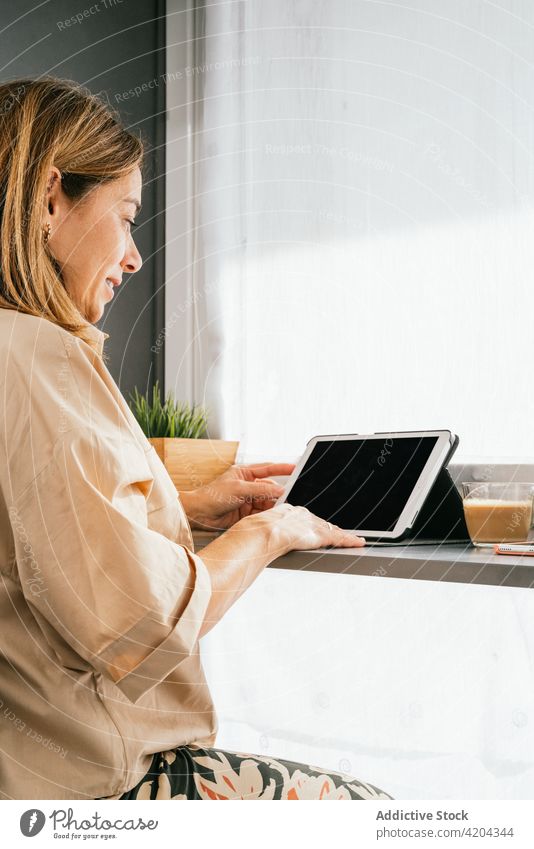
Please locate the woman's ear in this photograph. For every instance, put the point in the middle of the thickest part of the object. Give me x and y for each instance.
(54, 197)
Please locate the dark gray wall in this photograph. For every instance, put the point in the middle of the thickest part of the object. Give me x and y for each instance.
(113, 48)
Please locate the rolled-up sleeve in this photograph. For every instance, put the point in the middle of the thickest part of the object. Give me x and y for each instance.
(126, 599)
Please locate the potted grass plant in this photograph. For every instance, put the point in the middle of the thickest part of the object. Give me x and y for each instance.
(177, 431)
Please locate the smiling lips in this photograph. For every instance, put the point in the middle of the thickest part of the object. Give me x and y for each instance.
(111, 283)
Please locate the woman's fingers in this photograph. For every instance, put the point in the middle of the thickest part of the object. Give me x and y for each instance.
(254, 490)
(342, 538)
(263, 470)
(348, 539)
(318, 533)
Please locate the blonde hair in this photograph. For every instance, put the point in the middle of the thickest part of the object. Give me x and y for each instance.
(44, 123)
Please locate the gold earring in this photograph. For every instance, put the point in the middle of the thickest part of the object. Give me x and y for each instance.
(46, 233)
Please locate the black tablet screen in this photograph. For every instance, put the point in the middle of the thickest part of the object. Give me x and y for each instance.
(362, 484)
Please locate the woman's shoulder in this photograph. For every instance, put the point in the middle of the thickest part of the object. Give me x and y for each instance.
(19, 326)
(26, 335)
(55, 372)
(56, 384)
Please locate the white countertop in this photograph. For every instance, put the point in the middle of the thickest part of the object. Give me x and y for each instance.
(462, 564)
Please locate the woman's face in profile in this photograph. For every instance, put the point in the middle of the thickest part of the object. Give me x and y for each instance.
(92, 241)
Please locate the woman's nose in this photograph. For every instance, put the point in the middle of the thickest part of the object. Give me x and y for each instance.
(132, 258)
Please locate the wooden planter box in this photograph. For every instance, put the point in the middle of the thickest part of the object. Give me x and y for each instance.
(194, 462)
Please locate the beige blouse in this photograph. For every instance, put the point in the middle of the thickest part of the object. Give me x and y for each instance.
(101, 594)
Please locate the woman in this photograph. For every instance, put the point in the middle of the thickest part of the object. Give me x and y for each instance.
(103, 599)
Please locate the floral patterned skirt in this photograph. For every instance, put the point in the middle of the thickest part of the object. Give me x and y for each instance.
(191, 772)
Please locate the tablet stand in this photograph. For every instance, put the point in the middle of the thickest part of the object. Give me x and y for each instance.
(442, 514)
(440, 519)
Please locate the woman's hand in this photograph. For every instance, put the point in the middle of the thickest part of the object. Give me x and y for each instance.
(236, 558)
(297, 528)
(238, 492)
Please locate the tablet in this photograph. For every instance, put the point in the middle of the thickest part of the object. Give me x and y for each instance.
(374, 484)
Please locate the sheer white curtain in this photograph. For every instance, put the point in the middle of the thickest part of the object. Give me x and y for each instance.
(362, 259)
(364, 221)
